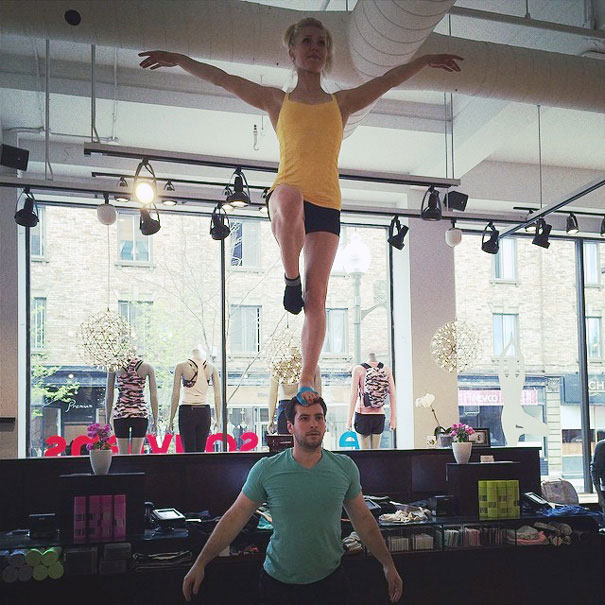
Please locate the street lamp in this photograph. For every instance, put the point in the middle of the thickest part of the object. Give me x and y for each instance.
(356, 261)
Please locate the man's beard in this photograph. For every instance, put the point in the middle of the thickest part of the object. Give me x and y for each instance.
(305, 442)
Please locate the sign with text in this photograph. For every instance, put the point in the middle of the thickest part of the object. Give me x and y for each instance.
(493, 397)
(58, 445)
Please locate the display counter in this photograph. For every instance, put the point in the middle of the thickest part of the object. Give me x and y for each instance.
(453, 559)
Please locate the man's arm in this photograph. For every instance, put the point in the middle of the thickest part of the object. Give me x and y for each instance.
(231, 523)
(367, 528)
(357, 98)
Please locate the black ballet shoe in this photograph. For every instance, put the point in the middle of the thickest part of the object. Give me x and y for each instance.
(293, 300)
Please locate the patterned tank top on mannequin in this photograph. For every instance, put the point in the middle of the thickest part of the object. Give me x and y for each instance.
(131, 403)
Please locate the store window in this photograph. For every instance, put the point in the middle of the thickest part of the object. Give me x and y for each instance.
(244, 329)
(245, 244)
(138, 315)
(528, 394)
(68, 391)
(37, 237)
(593, 338)
(592, 264)
(505, 261)
(335, 342)
(133, 246)
(506, 333)
(38, 324)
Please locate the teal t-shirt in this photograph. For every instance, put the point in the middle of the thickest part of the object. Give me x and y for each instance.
(306, 506)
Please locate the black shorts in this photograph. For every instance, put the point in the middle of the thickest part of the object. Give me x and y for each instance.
(317, 218)
(123, 426)
(369, 424)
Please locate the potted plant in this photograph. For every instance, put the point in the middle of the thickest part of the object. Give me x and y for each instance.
(461, 444)
(100, 450)
(442, 435)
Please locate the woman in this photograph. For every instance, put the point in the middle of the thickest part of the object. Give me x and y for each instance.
(305, 199)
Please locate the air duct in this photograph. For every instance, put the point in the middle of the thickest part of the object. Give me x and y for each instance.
(375, 36)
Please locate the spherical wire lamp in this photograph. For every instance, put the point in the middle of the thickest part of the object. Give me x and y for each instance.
(283, 356)
(456, 346)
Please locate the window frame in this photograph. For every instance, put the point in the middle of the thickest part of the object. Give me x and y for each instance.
(42, 227)
(498, 262)
(502, 315)
(135, 230)
(590, 245)
(345, 327)
(598, 321)
(246, 352)
(38, 343)
(245, 225)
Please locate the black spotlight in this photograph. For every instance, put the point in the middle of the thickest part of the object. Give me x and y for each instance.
(572, 224)
(603, 227)
(14, 157)
(28, 215)
(454, 200)
(397, 233)
(542, 232)
(122, 197)
(431, 210)
(238, 198)
(491, 245)
(219, 223)
(147, 224)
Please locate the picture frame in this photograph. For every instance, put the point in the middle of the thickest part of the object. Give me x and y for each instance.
(482, 437)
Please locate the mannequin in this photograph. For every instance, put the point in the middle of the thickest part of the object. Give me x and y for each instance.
(369, 421)
(191, 381)
(284, 392)
(130, 413)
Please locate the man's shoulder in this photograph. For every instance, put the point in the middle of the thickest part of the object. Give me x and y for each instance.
(342, 460)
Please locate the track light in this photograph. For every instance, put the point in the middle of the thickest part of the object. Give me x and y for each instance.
(542, 232)
(167, 201)
(147, 224)
(491, 245)
(219, 223)
(432, 210)
(603, 227)
(106, 213)
(454, 200)
(453, 236)
(122, 197)
(572, 224)
(238, 198)
(397, 233)
(145, 189)
(28, 215)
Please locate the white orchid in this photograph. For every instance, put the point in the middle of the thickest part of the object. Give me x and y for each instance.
(426, 401)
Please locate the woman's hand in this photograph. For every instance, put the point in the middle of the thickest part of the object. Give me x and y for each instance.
(447, 62)
(158, 58)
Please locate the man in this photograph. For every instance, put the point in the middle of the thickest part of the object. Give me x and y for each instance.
(305, 488)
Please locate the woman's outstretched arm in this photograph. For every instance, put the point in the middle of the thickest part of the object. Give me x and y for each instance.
(261, 97)
(357, 98)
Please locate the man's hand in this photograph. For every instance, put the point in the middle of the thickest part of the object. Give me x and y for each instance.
(395, 583)
(192, 581)
(447, 62)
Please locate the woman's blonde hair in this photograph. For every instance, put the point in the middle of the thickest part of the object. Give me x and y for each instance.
(292, 32)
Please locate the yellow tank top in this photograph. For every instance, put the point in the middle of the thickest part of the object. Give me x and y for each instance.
(309, 143)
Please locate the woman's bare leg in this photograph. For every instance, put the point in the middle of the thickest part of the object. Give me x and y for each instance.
(288, 226)
(320, 249)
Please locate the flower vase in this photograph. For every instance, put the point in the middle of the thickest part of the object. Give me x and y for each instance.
(100, 460)
(462, 451)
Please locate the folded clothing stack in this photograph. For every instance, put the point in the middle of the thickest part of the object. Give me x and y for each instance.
(165, 560)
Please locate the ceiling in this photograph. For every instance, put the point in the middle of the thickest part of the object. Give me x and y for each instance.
(495, 142)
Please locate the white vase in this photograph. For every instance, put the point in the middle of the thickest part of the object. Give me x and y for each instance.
(100, 460)
(462, 451)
